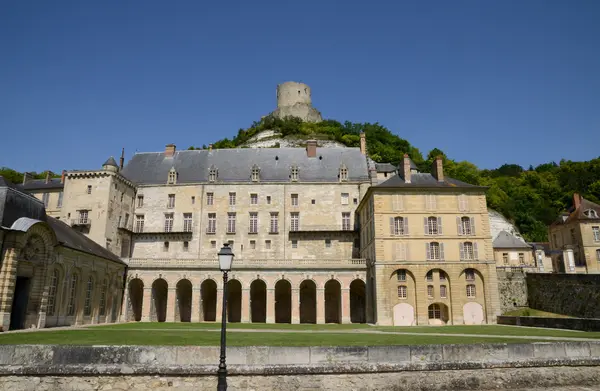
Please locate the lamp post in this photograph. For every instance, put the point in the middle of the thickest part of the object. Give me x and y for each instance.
(225, 261)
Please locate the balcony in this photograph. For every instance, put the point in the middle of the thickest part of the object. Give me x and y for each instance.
(81, 222)
(323, 228)
(241, 264)
(126, 226)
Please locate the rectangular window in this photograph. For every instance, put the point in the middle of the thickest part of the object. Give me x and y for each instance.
(83, 217)
(294, 243)
(166, 246)
(598, 255)
(45, 199)
(401, 274)
(232, 199)
(169, 222)
(274, 226)
(186, 246)
(345, 198)
(253, 223)
(171, 201)
(470, 275)
(60, 200)
(210, 198)
(595, 232)
(397, 202)
(254, 199)
(89, 189)
(470, 290)
(355, 200)
(463, 203)
(139, 223)
(328, 243)
(253, 244)
(402, 294)
(430, 201)
(230, 223)
(294, 221)
(521, 258)
(193, 200)
(269, 200)
(140, 201)
(187, 222)
(213, 244)
(294, 199)
(346, 225)
(267, 244)
(212, 223)
(505, 258)
(430, 291)
(443, 291)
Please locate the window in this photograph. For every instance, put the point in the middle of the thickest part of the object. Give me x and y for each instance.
(171, 201)
(212, 174)
(442, 276)
(52, 293)
(139, 223)
(255, 173)
(172, 176)
(187, 222)
(126, 219)
(140, 201)
(598, 255)
(230, 223)
(399, 225)
(232, 199)
(186, 246)
(434, 311)
(83, 217)
(102, 305)
(87, 307)
(433, 225)
(470, 275)
(430, 201)
(169, 222)
(443, 293)
(267, 244)
(294, 221)
(274, 227)
(212, 223)
(313, 201)
(435, 251)
(253, 223)
(253, 244)
(521, 258)
(596, 233)
(327, 243)
(429, 276)
(430, 291)
(343, 173)
(294, 243)
(345, 198)
(269, 200)
(294, 199)
(573, 239)
(355, 200)
(346, 226)
(397, 202)
(166, 246)
(465, 225)
(210, 198)
(72, 293)
(122, 196)
(45, 199)
(463, 203)
(468, 251)
(471, 290)
(254, 199)
(505, 258)
(294, 173)
(591, 213)
(213, 244)
(401, 274)
(60, 200)
(402, 294)
(89, 189)
(193, 200)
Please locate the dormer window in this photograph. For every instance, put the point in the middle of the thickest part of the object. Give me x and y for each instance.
(172, 176)
(294, 173)
(343, 175)
(212, 174)
(255, 173)
(591, 213)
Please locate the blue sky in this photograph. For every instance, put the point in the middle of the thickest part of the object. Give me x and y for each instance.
(491, 82)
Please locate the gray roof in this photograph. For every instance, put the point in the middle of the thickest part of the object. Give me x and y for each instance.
(385, 167)
(426, 180)
(506, 240)
(6, 182)
(40, 184)
(110, 162)
(235, 165)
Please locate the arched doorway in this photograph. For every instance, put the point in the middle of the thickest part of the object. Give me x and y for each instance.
(184, 301)
(333, 293)
(473, 313)
(258, 301)
(404, 315)
(308, 302)
(234, 301)
(438, 314)
(357, 301)
(208, 294)
(283, 302)
(160, 292)
(136, 299)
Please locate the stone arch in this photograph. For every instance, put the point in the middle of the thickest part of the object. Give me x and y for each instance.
(441, 287)
(258, 301)
(308, 301)
(438, 314)
(358, 301)
(333, 301)
(403, 290)
(183, 294)
(208, 296)
(472, 282)
(234, 301)
(283, 301)
(160, 294)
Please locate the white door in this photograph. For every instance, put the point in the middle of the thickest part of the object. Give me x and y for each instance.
(404, 315)
(473, 313)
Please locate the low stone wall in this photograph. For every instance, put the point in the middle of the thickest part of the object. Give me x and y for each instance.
(448, 367)
(581, 324)
(575, 295)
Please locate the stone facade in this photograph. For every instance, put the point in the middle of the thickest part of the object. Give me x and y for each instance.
(294, 100)
(512, 289)
(575, 295)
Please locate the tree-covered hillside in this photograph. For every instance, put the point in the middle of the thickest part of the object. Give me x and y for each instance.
(17, 177)
(532, 198)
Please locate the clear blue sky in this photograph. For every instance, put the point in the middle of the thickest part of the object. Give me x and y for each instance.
(486, 81)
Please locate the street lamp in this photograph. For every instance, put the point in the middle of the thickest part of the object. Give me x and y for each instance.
(225, 261)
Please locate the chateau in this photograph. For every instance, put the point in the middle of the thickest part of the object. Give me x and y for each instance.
(320, 235)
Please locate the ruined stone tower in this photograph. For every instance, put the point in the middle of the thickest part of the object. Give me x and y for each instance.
(293, 99)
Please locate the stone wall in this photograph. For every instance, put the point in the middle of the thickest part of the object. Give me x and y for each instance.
(434, 367)
(575, 295)
(581, 324)
(512, 289)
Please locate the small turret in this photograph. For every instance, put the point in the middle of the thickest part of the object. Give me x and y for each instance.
(110, 165)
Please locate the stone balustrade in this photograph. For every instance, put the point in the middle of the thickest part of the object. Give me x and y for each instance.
(159, 263)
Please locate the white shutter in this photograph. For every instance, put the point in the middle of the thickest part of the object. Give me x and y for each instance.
(406, 251)
(402, 251)
(392, 226)
(472, 225)
(397, 202)
(475, 252)
(428, 250)
(459, 226)
(396, 248)
(439, 222)
(461, 249)
(400, 201)
(425, 225)
(405, 220)
(441, 251)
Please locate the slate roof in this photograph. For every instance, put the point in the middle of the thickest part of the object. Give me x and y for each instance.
(578, 214)
(6, 183)
(235, 165)
(506, 240)
(385, 167)
(420, 180)
(542, 246)
(110, 162)
(40, 184)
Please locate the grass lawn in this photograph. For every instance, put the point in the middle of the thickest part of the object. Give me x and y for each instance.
(534, 312)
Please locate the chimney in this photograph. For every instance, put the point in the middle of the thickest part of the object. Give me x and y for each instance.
(122, 159)
(363, 143)
(62, 177)
(576, 200)
(209, 147)
(438, 169)
(406, 168)
(27, 177)
(48, 176)
(170, 150)
(311, 148)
